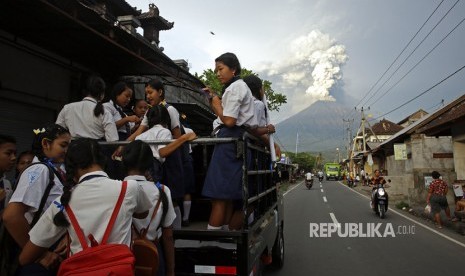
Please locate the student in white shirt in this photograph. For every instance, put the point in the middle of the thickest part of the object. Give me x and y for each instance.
(173, 167)
(236, 113)
(121, 95)
(49, 146)
(88, 118)
(158, 120)
(138, 160)
(92, 199)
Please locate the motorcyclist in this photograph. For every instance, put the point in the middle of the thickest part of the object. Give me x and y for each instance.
(308, 176)
(375, 181)
(320, 175)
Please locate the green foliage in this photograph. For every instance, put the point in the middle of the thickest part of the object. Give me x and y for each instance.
(305, 160)
(275, 99)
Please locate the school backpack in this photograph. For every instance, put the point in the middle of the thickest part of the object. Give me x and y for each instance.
(145, 251)
(99, 259)
(9, 250)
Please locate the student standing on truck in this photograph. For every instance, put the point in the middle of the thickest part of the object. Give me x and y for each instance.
(138, 160)
(173, 172)
(88, 118)
(235, 111)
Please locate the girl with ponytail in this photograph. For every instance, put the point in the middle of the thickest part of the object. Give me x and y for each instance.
(92, 196)
(38, 185)
(88, 118)
(138, 160)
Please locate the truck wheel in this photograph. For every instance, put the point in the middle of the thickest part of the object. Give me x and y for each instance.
(278, 250)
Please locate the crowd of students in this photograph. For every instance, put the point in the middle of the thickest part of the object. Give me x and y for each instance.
(67, 168)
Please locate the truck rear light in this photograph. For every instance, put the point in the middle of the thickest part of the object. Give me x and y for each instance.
(218, 270)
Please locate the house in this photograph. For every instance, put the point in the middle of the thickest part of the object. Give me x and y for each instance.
(48, 48)
(412, 118)
(434, 142)
(450, 121)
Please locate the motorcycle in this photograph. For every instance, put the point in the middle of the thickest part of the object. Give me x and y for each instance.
(380, 200)
(309, 183)
(320, 178)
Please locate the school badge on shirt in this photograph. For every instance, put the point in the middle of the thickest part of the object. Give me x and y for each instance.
(32, 177)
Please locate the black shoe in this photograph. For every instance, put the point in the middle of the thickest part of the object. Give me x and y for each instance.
(185, 223)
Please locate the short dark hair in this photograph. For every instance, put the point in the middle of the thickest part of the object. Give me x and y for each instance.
(230, 60)
(7, 139)
(157, 83)
(435, 175)
(158, 115)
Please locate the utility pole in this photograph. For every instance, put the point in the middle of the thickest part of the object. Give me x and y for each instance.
(361, 139)
(296, 143)
(349, 135)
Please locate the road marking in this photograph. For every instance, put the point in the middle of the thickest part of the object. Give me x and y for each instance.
(297, 185)
(412, 220)
(321, 186)
(324, 199)
(333, 218)
(322, 191)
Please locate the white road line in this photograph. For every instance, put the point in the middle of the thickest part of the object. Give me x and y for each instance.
(321, 186)
(412, 220)
(333, 218)
(293, 188)
(324, 199)
(322, 191)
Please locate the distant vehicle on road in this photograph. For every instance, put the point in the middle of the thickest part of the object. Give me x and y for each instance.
(332, 171)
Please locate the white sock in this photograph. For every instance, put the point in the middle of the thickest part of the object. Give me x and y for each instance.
(177, 220)
(209, 227)
(187, 209)
(225, 227)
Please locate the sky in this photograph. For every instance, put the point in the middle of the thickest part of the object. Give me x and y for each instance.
(362, 53)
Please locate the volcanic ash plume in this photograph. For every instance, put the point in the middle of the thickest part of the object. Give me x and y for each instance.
(319, 53)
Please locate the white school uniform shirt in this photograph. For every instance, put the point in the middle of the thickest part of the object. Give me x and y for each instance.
(31, 187)
(79, 119)
(157, 132)
(260, 113)
(238, 103)
(153, 193)
(93, 202)
(174, 117)
(110, 107)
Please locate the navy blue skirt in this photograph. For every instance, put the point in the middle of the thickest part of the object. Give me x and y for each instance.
(173, 174)
(189, 176)
(224, 175)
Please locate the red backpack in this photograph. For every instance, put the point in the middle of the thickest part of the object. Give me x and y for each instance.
(99, 259)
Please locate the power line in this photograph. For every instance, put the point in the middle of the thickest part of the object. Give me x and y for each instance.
(419, 44)
(376, 83)
(421, 94)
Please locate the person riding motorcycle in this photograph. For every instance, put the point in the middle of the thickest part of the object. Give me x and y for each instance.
(308, 176)
(320, 175)
(375, 181)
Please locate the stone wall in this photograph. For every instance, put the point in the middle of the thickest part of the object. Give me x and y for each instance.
(408, 176)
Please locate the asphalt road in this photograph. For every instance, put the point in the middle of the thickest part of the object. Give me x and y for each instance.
(402, 245)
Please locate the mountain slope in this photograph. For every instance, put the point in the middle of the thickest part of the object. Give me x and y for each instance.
(320, 127)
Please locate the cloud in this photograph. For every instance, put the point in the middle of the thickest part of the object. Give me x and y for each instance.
(308, 72)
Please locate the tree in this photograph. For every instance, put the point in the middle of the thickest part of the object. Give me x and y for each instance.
(275, 99)
(305, 160)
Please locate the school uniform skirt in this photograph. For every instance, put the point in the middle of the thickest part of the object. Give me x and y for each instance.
(224, 175)
(173, 174)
